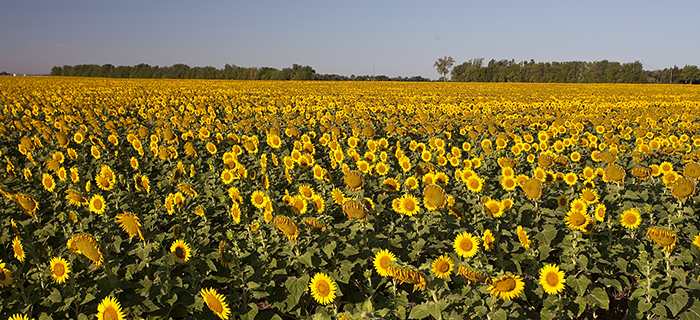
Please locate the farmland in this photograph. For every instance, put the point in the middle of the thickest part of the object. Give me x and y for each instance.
(283, 200)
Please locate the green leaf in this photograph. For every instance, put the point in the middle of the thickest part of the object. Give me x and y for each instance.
(435, 308)
(599, 298)
(660, 310)
(676, 302)
(297, 286)
(609, 282)
(500, 314)
(55, 296)
(547, 234)
(419, 312)
(692, 313)
(579, 284)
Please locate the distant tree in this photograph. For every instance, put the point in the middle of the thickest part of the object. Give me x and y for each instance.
(690, 74)
(443, 66)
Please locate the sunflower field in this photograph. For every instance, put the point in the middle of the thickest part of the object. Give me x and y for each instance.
(198, 199)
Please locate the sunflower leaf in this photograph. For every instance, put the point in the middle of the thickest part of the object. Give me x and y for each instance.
(599, 298)
(677, 301)
(419, 311)
(692, 313)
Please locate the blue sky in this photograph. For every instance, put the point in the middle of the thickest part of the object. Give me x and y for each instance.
(396, 38)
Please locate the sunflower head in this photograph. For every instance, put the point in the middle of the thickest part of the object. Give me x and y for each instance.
(382, 260)
(552, 279)
(434, 197)
(86, 245)
(354, 180)
(532, 189)
(614, 173)
(323, 288)
(354, 210)
(287, 226)
(507, 286)
(442, 267)
(466, 245)
(216, 302)
(662, 237)
(109, 308)
(60, 268)
(180, 250)
(473, 275)
(630, 218)
(683, 189)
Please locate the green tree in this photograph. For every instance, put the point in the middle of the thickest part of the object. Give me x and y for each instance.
(443, 66)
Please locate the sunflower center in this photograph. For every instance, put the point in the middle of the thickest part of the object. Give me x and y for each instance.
(384, 262)
(506, 285)
(493, 208)
(552, 279)
(630, 219)
(59, 270)
(110, 314)
(98, 205)
(577, 219)
(2, 275)
(214, 304)
(408, 205)
(180, 252)
(443, 267)
(474, 184)
(466, 245)
(323, 288)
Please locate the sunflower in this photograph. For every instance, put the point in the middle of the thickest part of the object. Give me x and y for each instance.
(600, 212)
(408, 205)
(95, 152)
(494, 208)
(109, 309)
(60, 268)
(382, 259)
(532, 189)
(562, 201)
(287, 226)
(5, 275)
(630, 218)
(507, 287)
(570, 178)
(323, 288)
(18, 249)
(48, 182)
(130, 224)
(257, 198)
(227, 176)
(354, 180)
(97, 204)
(466, 245)
(86, 245)
(216, 302)
(579, 205)
(664, 238)
(683, 189)
(18, 316)
(442, 266)
(696, 242)
(488, 240)
(391, 184)
(590, 196)
(472, 274)
(552, 279)
(614, 173)
(180, 251)
(523, 237)
(508, 183)
(298, 204)
(338, 196)
(408, 274)
(434, 197)
(475, 184)
(354, 210)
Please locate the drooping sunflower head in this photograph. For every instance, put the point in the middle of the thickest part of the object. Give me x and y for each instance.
(641, 173)
(507, 286)
(86, 245)
(532, 189)
(354, 210)
(354, 180)
(472, 274)
(434, 197)
(692, 171)
(552, 279)
(130, 224)
(287, 227)
(180, 251)
(391, 184)
(683, 189)
(523, 237)
(614, 173)
(662, 237)
(407, 274)
(442, 267)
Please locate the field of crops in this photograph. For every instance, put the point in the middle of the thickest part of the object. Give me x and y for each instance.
(157, 199)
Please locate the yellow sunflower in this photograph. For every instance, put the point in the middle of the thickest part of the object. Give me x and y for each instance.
(523, 237)
(630, 218)
(600, 212)
(287, 226)
(109, 309)
(97, 204)
(408, 205)
(507, 287)
(552, 279)
(60, 268)
(180, 251)
(5, 275)
(466, 245)
(382, 259)
(86, 245)
(577, 220)
(488, 240)
(696, 241)
(258, 199)
(18, 249)
(662, 237)
(323, 288)
(443, 266)
(475, 184)
(18, 316)
(130, 224)
(48, 182)
(216, 302)
(494, 208)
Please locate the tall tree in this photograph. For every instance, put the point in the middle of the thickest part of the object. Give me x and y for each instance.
(443, 66)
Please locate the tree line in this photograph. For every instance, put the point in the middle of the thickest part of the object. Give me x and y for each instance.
(604, 71)
(229, 72)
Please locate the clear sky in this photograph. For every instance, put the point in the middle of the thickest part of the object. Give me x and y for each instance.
(396, 38)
